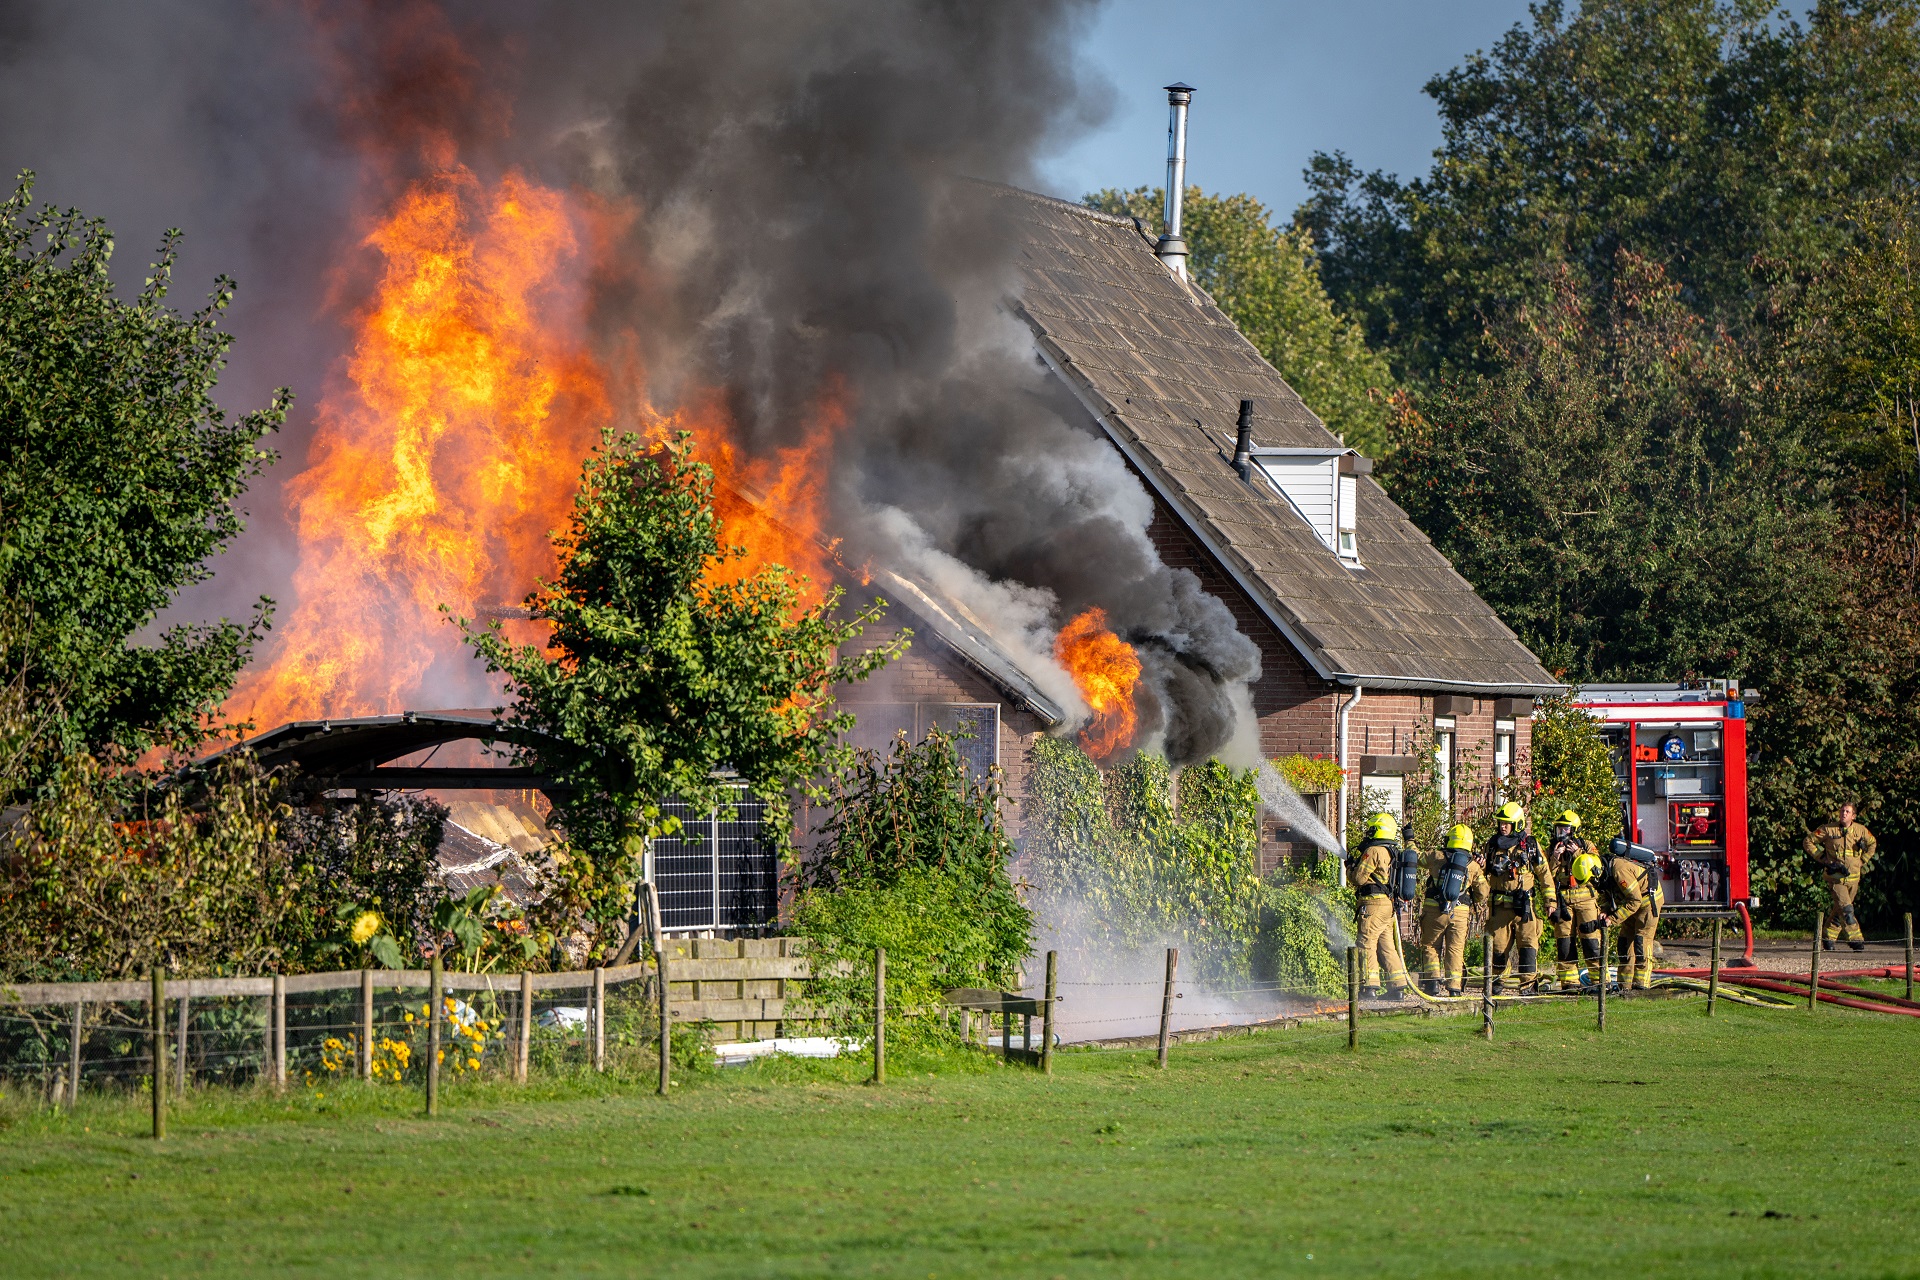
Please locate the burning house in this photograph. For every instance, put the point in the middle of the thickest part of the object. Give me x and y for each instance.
(1369, 641)
(1098, 508)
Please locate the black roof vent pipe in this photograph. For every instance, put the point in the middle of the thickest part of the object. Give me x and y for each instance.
(1172, 250)
(1243, 444)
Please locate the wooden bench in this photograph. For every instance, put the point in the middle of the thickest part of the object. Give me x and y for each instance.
(972, 1000)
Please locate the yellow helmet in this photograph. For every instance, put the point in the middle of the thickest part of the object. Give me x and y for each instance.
(1461, 837)
(1512, 812)
(1381, 826)
(1568, 819)
(1585, 867)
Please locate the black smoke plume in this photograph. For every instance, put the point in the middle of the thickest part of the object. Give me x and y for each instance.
(810, 224)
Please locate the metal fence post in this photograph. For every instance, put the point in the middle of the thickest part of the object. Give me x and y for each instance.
(523, 1049)
(434, 980)
(73, 1054)
(1166, 1003)
(599, 1018)
(1713, 973)
(365, 1064)
(157, 1010)
(880, 1016)
(180, 1044)
(277, 1022)
(1046, 1020)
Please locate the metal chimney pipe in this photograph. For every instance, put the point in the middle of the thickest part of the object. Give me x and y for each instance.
(1243, 446)
(1172, 250)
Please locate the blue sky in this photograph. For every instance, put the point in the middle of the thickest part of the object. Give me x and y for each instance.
(1276, 80)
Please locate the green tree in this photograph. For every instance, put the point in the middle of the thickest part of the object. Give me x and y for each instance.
(660, 680)
(1623, 490)
(1268, 280)
(118, 475)
(1700, 134)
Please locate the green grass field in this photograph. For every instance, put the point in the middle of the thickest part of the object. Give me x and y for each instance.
(1759, 1143)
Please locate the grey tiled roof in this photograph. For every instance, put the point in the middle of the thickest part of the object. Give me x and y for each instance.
(1164, 370)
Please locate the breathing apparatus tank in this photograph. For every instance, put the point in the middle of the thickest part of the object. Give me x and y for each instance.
(1453, 873)
(1406, 873)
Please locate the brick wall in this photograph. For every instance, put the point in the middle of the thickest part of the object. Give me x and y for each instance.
(930, 672)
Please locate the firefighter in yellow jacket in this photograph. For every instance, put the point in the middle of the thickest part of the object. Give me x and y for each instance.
(1576, 915)
(1371, 873)
(1455, 884)
(1626, 894)
(1516, 870)
(1843, 848)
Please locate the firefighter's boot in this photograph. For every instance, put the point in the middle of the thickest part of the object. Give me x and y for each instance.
(1596, 963)
(1565, 963)
(1642, 966)
(1529, 969)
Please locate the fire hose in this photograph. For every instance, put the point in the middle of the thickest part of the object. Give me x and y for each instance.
(1830, 992)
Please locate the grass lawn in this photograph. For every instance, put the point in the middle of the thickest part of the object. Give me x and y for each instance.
(1759, 1143)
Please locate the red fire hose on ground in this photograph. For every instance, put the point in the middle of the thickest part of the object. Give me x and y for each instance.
(1830, 992)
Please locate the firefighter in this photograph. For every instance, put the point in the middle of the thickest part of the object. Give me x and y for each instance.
(1576, 916)
(1371, 873)
(1455, 882)
(1843, 848)
(1626, 901)
(1515, 870)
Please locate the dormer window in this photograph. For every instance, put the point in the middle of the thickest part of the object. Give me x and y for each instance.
(1323, 487)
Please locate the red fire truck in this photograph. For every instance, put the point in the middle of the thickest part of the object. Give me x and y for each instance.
(1680, 758)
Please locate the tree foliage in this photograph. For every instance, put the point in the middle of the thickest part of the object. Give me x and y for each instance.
(118, 475)
(663, 678)
(90, 892)
(1268, 280)
(1701, 134)
(1621, 488)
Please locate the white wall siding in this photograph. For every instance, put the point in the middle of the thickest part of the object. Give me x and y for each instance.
(1309, 484)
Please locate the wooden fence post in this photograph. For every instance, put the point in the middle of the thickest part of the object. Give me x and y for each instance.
(1166, 1003)
(180, 1045)
(435, 978)
(73, 1054)
(879, 1015)
(1606, 958)
(1713, 972)
(657, 930)
(277, 1023)
(1909, 955)
(1046, 1020)
(523, 1051)
(1813, 978)
(364, 1067)
(1353, 997)
(599, 1018)
(157, 1010)
(1486, 980)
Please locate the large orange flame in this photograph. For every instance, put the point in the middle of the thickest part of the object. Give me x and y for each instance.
(437, 473)
(1107, 672)
(435, 478)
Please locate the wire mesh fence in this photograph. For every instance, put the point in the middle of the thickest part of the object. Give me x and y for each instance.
(374, 1025)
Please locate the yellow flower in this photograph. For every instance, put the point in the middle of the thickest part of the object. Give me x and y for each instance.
(365, 927)
(474, 1063)
(440, 1056)
(409, 1017)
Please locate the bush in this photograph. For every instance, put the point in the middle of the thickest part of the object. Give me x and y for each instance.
(915, 861)
(1115, 857)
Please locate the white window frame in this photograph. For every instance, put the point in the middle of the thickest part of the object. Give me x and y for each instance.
(1444, 732)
